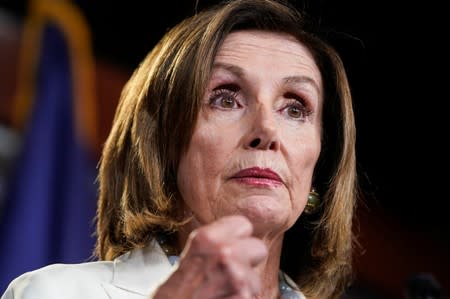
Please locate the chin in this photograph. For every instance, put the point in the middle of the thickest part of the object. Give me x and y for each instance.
(265, 214)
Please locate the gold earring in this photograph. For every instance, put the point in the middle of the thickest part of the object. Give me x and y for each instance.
(313, 202)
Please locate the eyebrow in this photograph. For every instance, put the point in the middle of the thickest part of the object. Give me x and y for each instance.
(234, 69)
(302, 80)
(239, 72)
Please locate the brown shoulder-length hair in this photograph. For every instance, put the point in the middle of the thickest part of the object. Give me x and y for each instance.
(154, 123)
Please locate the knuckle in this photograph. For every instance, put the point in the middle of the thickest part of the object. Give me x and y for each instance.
(201, 238)
(224, 254)
(239, 280)
(240, 220)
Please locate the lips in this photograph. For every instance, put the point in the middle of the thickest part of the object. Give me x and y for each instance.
(257, 176)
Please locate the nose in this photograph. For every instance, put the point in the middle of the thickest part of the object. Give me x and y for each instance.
(263, 133)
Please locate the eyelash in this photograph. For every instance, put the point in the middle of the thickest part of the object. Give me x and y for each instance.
(302, 109)
(224, 93)
(231, 92)
(297, 102)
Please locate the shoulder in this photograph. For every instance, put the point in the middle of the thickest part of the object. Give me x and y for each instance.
(59, 280)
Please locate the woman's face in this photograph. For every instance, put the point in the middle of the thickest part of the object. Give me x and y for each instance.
(257, 137)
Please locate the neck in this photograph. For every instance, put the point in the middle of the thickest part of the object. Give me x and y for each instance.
(268, 269)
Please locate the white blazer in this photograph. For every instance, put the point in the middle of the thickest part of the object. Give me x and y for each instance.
(133, 275)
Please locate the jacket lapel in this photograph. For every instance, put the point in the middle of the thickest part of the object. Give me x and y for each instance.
(136, 274)
(139, 272)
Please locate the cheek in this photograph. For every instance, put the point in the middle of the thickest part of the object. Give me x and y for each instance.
(307, 155)
(193, 168)
(303, 151)
(200, 169)
(303, 157)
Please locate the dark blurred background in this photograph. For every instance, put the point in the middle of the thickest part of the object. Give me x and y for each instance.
(395, 60)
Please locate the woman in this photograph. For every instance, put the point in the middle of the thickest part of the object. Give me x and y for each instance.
(223, 139)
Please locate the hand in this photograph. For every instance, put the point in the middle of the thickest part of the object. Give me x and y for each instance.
(218, 261)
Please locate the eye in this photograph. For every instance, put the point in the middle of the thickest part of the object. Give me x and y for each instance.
(295, 112)
(225, 97)
(295, 107)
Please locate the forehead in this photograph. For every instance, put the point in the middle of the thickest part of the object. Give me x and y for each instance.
(252, 49)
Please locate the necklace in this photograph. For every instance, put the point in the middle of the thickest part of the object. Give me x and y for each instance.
(287, 287)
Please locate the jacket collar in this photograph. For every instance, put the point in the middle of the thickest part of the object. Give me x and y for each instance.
(139, 271)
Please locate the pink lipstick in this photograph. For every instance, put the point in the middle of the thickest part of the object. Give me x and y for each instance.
(256, 176)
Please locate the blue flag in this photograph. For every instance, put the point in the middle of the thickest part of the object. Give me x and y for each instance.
(50, 205)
